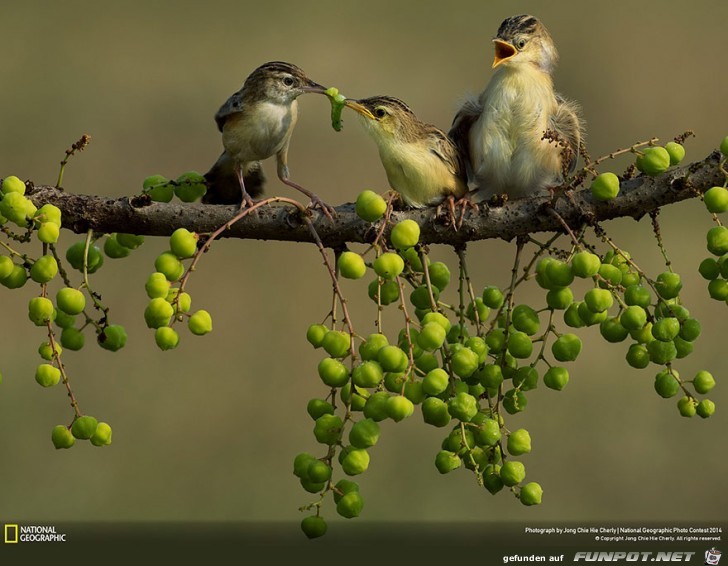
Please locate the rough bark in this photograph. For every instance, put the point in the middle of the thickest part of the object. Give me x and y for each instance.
(139, 215)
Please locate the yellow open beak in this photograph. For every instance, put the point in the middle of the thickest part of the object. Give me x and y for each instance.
(503, 52)
(363, 110)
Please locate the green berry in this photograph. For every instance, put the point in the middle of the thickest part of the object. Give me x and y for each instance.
(313, 526)
(571, 315)
(512, 473)
(364, 433)
(318, 471)
(44, 269)
(388, 265)
(342, 487)
(525, 378)
(131, 241)
(661, 352)
(350, 505)
(636, 295)
(333, 373)
(158, 313)
(514, 401)
(369, 349)
(612, 330)
(717, 240)
(327, 429)
(703, 382)
(676, 152)
(525, 319)
(665, 329)
(312, 487)
(611, 274)
(718, 289)
(40, 311)
(166, 338)
(668, 285)
(200, 322)
(102, 435)
(556, 378)
(355, 462)
(351, 265)
(49, 232)
(709, 269)
(598, 300)
(62, 437)
(519, 442)
(6, 267)
(405, 234)
(637, 356)
(435, 382)
(183, 243)
(585, 264)
(493, 297)
(464, 362)
(392, 359)
(633, 317)
(519, 345)
(654, 160)
(113, 249)
(370, 206)
(463, 407)
(566, 348)
(48, 214)
(84, 427)
(605, 187)
(705, 408)
(75, 254)
(317, 407)
(439, 275)
(336, 343)
(11, 184)
(690, 329)
(531, 494)
(14, 207)
(389, 292)
(687, 406)
(375, 407)
(70, 301)
(46, 352)
(47, 375)
(491, 479)
(168, 264)
(446, 461)
(301, 463)
(491, 376)
(435, 412)
(716, 199)
(489, 434)
(367, 374)
(157, 286)
(559, 299)
(399, 408)
(190, 186)
(666, 384)
(72, 339)
(112, 338)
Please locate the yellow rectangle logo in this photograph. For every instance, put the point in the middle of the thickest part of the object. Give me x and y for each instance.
(11, 534)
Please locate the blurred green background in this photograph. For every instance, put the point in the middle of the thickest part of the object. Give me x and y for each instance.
(208, 432)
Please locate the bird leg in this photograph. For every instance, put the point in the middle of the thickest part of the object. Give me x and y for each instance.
(247, 200)
(316, 202)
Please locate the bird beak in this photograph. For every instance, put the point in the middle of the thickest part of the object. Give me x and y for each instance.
(503, 52)
(313, 87)
(363, 110)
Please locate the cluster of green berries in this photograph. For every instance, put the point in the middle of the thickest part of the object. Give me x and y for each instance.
(84, 427)
(188, 187)
(169, 303)
(651, 160)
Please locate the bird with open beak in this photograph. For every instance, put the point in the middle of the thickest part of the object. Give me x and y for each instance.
(422, 164)
(257, 122)
(519, 136)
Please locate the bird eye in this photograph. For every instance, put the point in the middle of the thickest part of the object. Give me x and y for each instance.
(380, 113)
(521, 43)
(288, 81)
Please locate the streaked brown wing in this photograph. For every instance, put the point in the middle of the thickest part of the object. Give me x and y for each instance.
(233, 105)
(442, 146)
(568, 125)
(460, 130)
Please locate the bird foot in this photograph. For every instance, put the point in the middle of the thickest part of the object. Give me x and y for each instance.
(464, 202)
(247, 202)
(327, 209)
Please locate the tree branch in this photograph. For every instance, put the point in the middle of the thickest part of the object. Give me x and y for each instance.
(138, 215)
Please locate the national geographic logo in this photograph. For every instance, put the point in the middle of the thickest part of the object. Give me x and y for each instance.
(14, 533)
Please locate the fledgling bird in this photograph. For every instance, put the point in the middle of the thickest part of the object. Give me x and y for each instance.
(519, 136)
(421, 162)
(257, 122)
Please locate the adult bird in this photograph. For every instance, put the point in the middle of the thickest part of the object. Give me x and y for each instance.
(519, 136)
(257, 122)
(422, 164)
